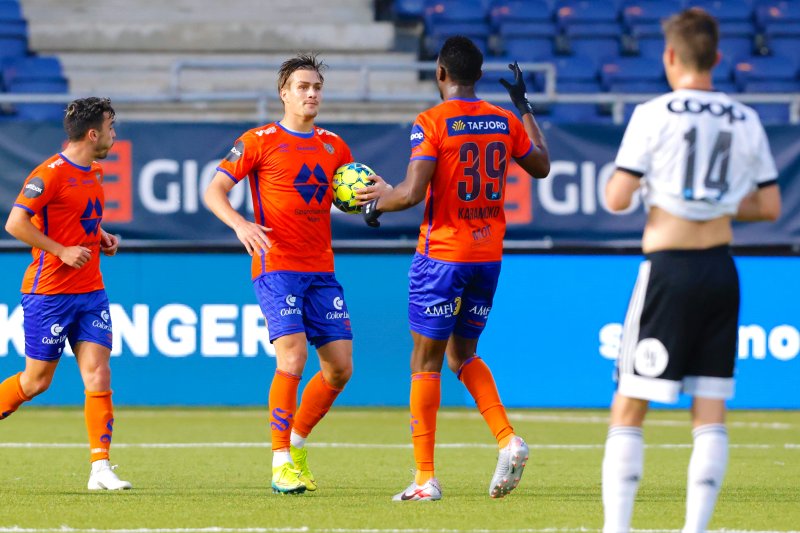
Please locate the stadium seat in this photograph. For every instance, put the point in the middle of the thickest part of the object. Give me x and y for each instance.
(649, 11)
(726, 10)
(438, 34)
(632, 71)
(585, 12)
(568, 113)
(648, 39)
(451, 11)
(521, 11)
(525, 41)
(409, 9)
(579, 69)
(33, 68)
(784, 40)
(771, 68)
(598, 41)
(736, 48)
(13, 39)
(10, 11)
(777, 13)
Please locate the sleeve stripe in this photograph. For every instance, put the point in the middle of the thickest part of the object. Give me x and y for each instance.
(636, 173)
(423, 158)
(220, 169)
(26, 208)
(767, 183)
(527, 153)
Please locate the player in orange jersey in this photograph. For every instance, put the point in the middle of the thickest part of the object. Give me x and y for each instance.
(289, 165)
(59, 213)
(460, 152)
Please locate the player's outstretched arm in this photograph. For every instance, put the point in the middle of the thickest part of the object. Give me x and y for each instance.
(763, 204)
(537, 162)
(19, 225)
(253, 236)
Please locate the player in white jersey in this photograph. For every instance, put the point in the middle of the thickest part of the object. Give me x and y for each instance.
(700, 160)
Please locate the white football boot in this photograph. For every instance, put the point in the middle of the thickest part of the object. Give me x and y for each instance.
(510, 463)
(104, 478)
(429, 491)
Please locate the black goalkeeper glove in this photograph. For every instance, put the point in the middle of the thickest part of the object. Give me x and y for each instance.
(371, 214)
(517, 90)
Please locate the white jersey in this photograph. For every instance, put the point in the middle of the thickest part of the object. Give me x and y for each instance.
(698, 153)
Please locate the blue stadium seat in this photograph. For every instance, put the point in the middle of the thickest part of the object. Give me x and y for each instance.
(736, 48)
(525, 41)
(409, 9)
(523, 11)
(783, 39)
(490, 80)
(13, 38)
(450, 11)
(723, 72)
(598, 41)
(767, 68)
(633, 74)
(32, 68)
(648, 38)
(438, 34)
(10, 11)
(571, 12)
(564, 113)
(777, 13)
(649, 11)
(726, 10)
(572, 69)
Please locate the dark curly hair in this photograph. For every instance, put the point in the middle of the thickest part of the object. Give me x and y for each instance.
(461, 59)
(86, 114)
(301, 62)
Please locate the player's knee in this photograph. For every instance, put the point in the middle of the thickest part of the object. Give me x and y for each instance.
(35, 385)
(97, 378)
(338, 377)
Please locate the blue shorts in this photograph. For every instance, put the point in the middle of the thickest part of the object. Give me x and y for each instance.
(50, 320)
(303, 302)
(445, 298)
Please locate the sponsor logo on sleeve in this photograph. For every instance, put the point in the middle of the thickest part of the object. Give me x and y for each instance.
(34, 188)
(236, 152)
(417, 135)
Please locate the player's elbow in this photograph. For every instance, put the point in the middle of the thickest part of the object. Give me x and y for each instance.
(772, 212)
(542, 169)
(617, 203)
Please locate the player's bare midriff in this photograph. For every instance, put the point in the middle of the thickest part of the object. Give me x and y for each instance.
(665, 231)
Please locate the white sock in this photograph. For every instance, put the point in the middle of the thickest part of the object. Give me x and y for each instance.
(100, 464)
(623, 464)
(706, 472)
(280, 458)
(296, 440)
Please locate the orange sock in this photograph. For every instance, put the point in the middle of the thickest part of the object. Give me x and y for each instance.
(476, 376)
(11, 395)
(282, 406)
(426, 395)
(318, 396)
(99, 414)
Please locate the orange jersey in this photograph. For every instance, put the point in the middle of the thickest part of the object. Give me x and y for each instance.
(66, 201)
(290, 180)
(472, 142)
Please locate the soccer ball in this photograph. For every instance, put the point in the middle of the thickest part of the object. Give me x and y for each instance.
(346, 180)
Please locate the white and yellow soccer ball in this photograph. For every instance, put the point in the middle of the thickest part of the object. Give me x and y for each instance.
(346, 180)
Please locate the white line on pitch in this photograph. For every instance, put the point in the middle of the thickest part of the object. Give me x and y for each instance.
(365, 445)
(67, 529)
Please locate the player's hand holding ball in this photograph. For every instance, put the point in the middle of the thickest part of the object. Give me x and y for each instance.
(368, 200)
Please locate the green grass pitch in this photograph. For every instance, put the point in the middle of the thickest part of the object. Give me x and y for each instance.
(209, 470)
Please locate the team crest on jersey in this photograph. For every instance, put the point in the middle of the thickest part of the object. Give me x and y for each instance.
(92, 216)
(311, 184)
(98, 177)
(34, 188)
(236, 152)
(328, 147)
